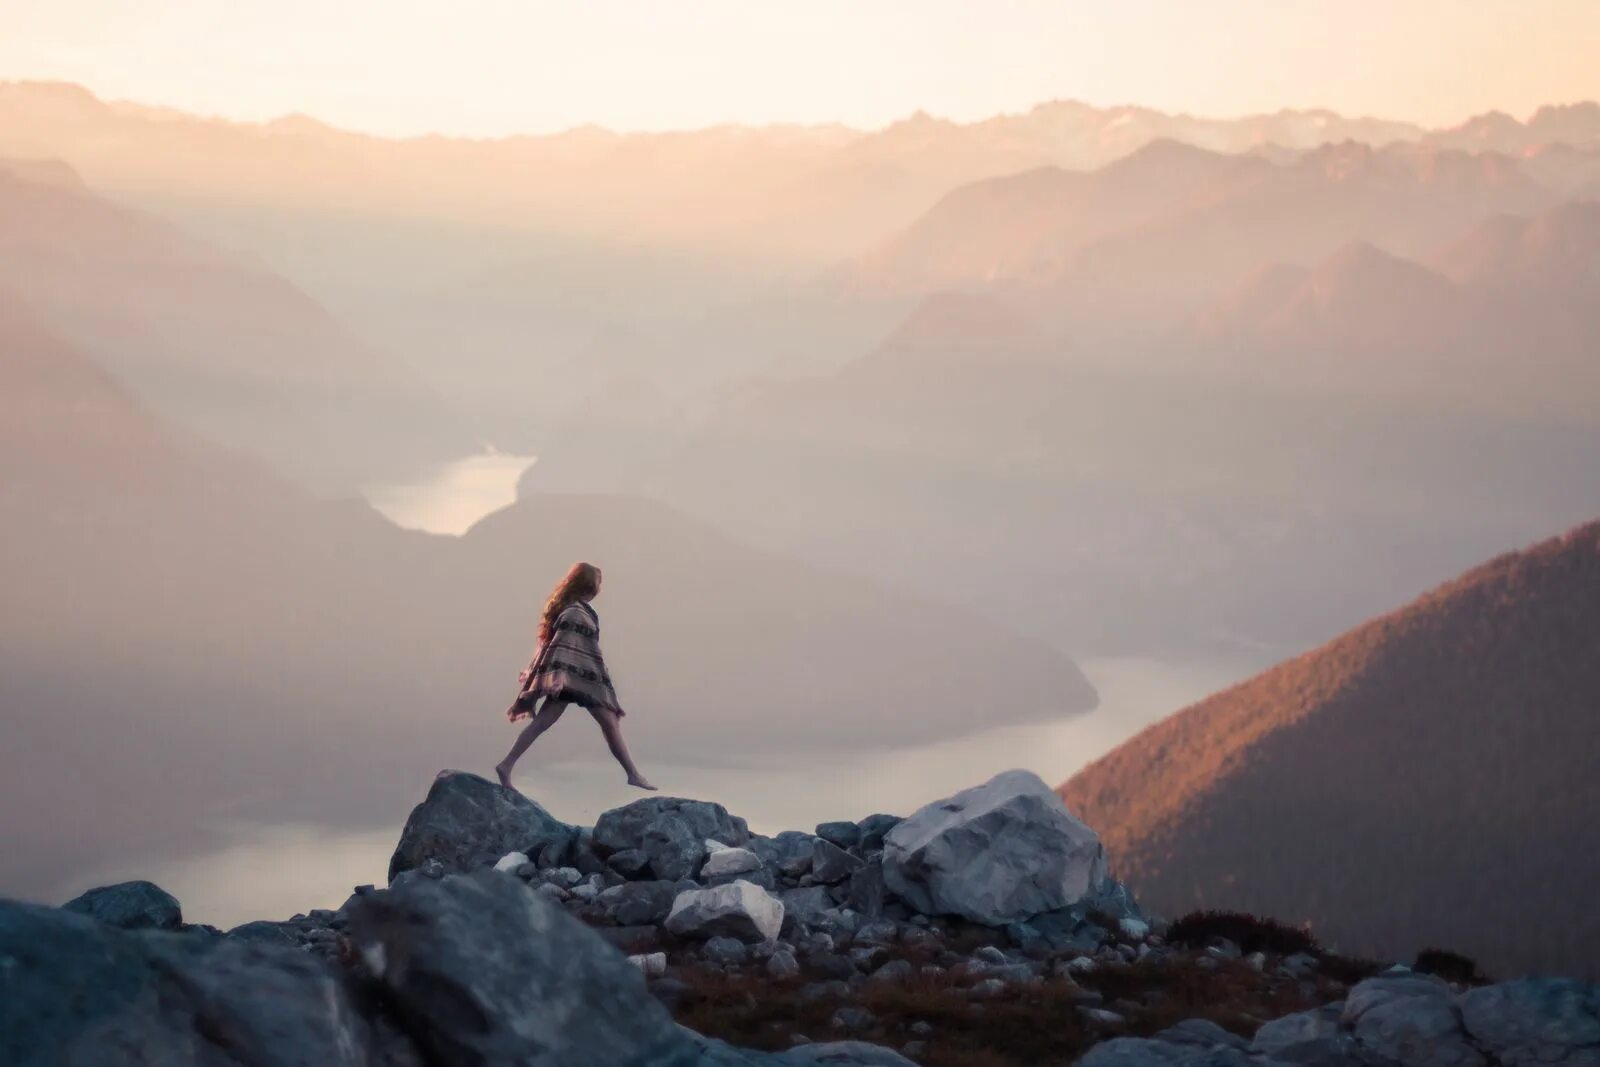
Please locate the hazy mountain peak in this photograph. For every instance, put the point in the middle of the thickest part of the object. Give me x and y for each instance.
(1559, 248)
(52, 172)
(53, 99)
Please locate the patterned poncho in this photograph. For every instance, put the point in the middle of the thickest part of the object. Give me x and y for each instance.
(568, 667)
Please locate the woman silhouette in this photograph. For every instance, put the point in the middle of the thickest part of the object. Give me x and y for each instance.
(567, 669)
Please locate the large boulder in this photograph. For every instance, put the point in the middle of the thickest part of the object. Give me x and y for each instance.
(130, 906)
(670, 831)
(75, 992)
(467, 821)
(1535, 1021)
(485, 971)
(738, 909)
(997, 853)
(1409, 1019)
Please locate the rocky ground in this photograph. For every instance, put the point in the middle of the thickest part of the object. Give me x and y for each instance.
(982, 930)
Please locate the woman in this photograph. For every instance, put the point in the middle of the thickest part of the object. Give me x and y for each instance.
(567, 669)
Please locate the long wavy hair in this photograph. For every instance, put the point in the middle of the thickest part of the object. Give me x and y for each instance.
(582, 581)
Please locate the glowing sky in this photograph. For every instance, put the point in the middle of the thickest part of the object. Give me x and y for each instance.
(498, 66)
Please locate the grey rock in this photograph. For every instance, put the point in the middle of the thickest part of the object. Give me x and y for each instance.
(1015, 974)
(990, 954)
(485, 971)
(75, 992)
(1410, 1019)
(843, 1054)
(725, 950)
(730, 861)
(630, 863)
(262, 932)
(1289, 1031)
(1202, 1032)
(867, 892)
(1111, 897)
(830, 863)
(807, 906)
(842, 834)
(552, 892)
(850, 1017)
(1299, 965)
(130, 906)
(877, 933)
(464, 816)
(738, 909)
(989, 987)
(1066, 930)
(565, 877)
(650, 964)
(1535, 1021)
(1153, 1052)
(762, 876)
(671, 831)
(894, 971)
(866, 957)
(636, 903)
(789, 853)
(997, 853)
(874, 828)
(590, 865)
(782, 964)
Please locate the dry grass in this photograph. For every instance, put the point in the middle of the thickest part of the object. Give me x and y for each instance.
(1025, 1025)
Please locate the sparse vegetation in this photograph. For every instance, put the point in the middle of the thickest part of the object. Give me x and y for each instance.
(1023, 1025)
(1251, 933)
(1451, 966)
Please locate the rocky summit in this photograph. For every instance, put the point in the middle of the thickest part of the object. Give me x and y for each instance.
(982, 928)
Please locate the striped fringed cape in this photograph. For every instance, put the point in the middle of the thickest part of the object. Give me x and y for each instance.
(568, 667)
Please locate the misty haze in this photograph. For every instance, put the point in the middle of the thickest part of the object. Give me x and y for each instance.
(1234, 470)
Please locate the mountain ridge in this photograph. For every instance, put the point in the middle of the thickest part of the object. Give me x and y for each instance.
(1471, 709)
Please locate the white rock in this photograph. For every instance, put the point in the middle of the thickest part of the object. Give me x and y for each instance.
(1081, 965)
(653, 964)
(726, 861)
(1134, 929)
(511, 861)
(739, 909)
(713, 847)
(998, 853)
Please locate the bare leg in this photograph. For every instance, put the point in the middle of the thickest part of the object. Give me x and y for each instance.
(546, 718)
(611, 727)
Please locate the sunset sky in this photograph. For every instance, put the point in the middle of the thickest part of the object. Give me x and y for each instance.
(490, 67)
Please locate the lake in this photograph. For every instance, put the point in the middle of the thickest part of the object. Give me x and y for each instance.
(447, 498)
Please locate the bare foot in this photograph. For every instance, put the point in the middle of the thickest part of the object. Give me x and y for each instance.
(504, 776)
(639, 783)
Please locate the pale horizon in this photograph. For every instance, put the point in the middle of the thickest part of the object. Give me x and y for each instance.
(541, 69)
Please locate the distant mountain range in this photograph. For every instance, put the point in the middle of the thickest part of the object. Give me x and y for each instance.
(216, 341)
(1270, 466)
(1427, 778)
